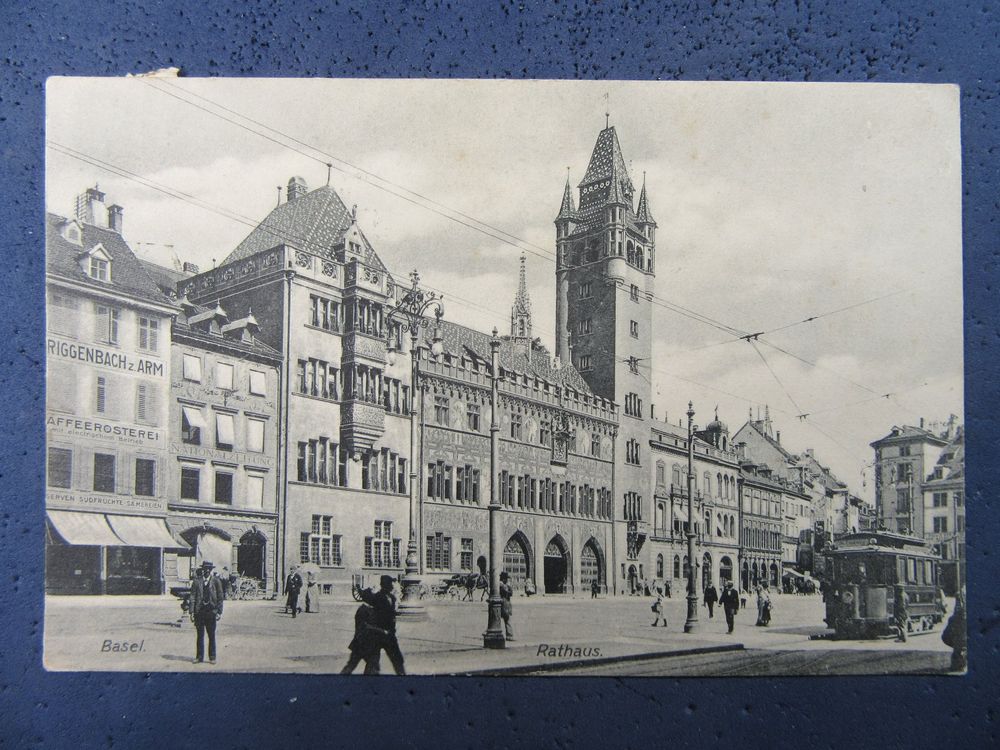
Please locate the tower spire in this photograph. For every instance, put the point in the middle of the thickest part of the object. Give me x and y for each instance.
(520, 313)
(568, 206)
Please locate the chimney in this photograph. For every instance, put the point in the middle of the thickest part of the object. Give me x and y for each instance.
(778, 436)
(190, 268)
(115, 217)
(296, 188)
(90, 207)
(921, 423)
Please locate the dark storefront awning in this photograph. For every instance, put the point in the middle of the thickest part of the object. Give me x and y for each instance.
(141, 531)
(83, 528)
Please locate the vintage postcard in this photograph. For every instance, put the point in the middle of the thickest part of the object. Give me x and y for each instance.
(503, 377)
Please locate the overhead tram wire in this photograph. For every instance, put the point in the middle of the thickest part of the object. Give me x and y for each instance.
(228, 214)
(774, 374)
(480, 229)
(490, 230)
(355, 167)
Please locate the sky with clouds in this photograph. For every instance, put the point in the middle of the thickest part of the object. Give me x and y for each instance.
(774, 203)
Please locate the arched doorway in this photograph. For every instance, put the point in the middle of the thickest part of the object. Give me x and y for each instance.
(633, 579)
(591, 565)
(210, 544)
(706, 571)
(774, 575)
(251, 555)
(754, 575)
(556, 561)
(659, 566)
(517, 561)
(481, 564)
(725, 570)
(746, 577)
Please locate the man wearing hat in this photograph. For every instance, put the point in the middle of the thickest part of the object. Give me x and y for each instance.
(383, 620)
(293, 585)
(206, 609)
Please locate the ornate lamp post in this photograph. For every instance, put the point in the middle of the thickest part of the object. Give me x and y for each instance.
(494, 635)
(410, 313)
(691, 624)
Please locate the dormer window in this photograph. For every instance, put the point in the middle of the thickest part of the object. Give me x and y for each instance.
(96, 263)
(73, 234)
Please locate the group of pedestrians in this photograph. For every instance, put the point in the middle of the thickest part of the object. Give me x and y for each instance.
(730, 600)
(293, 588)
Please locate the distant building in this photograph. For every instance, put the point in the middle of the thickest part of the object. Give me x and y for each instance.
(944, 510)
(902, 459)
(107, 409)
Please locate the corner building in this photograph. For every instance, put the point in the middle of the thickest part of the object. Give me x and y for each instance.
(107, 394)
(605, 273)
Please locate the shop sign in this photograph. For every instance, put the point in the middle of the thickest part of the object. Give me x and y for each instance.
(95, 355)
(100, 501)
(88, 428)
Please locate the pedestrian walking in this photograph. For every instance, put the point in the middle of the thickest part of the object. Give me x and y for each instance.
(730, 602)
(506, 607)
(227, 584)
(383, 623)
(901, 613)
(763, 605)
(365, 644)
(658, 610)
(293, 585)
(956, 636)
(594, 588)
(667, 587)
(206, 609)
(312, 592)
(711, 597)
(743, 598)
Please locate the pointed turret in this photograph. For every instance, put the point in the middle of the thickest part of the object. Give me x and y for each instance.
(520, 313)
(568, 208)
(642, 214)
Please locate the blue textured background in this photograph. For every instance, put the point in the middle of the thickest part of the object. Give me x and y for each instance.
(887, 41)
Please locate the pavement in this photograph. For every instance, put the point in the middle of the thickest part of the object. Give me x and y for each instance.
(554, 635)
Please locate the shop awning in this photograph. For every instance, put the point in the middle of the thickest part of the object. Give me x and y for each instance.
(83, 528)
(194, 418)
(140, 531)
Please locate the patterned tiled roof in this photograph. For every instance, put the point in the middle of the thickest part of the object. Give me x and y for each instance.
(606, 161)
(460, 340)
(643, 213)
(908, 432)
(313, 222)
(128, 276)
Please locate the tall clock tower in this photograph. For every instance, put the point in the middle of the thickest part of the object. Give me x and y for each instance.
(606, 254)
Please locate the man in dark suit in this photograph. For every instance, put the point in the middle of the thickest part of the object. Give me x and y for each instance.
(383, 621)
(711, 597)
(206, 609)
(730, 602)
(293, 585)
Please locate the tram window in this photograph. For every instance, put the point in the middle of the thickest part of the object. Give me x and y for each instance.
(862, 571)
(900, 570)
(928, 572)
(912, 578)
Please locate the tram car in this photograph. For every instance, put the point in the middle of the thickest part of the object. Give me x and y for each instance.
(866, 577)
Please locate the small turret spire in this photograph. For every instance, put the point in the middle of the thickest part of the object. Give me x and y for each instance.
(568, 207)
(520, 313)
(643, 215)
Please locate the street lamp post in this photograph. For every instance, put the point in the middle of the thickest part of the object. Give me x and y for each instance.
(410, 312)
(494, 635)
(691, 624)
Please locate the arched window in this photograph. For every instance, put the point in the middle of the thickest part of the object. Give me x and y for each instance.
(661, 473)
(677, 566)
(719, 526)
(675, 475)
(659, 566)
(708, 484)
(720, 487)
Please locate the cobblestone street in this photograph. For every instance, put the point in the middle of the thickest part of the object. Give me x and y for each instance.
(258, 636)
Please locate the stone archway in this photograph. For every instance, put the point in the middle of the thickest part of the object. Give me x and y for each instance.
(745, 577)
(251, 555)
(592, 565)
(556, 561)
(517, 560)
(706, 571)
(725, 570)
